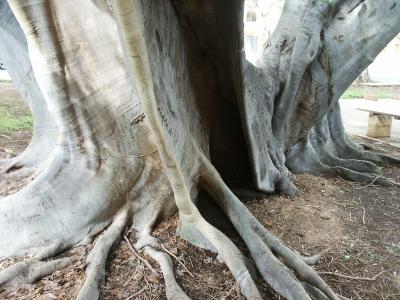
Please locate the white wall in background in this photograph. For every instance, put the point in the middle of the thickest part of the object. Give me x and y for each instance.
(386, 67)
(260, 19)
(4, 75)
(262, 16)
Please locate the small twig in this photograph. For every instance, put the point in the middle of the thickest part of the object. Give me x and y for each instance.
(177, 259)
(363, 216)
(230, 291)
(353, 277)
(5, 136)
(7, 150)
(145, 261)
(137, 294)
(130, 278)
(368, 185)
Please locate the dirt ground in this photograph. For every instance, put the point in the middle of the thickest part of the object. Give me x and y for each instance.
(355, 226)
(13, 139)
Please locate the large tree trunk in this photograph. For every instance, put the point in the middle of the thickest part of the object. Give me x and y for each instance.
(14, 55)
(154, 97)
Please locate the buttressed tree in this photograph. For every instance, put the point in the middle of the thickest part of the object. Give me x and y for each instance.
(139, 105)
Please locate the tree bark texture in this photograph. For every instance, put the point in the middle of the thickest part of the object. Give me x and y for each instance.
(139, 105)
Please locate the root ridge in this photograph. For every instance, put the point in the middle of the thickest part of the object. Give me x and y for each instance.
(96, 260)
(273, 259)
(32, 270)
(173, 290)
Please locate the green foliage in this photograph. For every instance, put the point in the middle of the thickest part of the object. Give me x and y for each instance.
(14, 116)
(353, 93)
(358, 93)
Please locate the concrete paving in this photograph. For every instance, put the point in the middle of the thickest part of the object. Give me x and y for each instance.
(356, 121)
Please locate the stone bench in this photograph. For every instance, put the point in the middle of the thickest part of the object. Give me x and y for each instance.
(372, 90)
(380, 118)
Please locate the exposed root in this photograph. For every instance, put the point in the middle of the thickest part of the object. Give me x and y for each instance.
(10, 164)
(33, 157)
(96, 261)
(231, 255)
(319, 161)
(32, 270)
(328, 150)
(37, 267)
(20, 173)
(286, 186)
(14, 166)
(362, 177)
(362, 166)
(137, 52)
(314, 293)
(149, 244)
(273, 259)
(351, 151)
(310, 260)
(173, 290)
(177, 259)
(139, 257)
(352, 175)
(354, 277)
(382, 158)
(331, 129)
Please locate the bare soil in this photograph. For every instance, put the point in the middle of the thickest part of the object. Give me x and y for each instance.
(356, 227)
(12, 142)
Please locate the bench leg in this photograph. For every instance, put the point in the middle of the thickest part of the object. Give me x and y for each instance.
(371, 92)
(379, 125)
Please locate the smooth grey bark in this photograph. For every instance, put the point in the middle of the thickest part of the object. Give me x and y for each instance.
(154, 98)
(104, 163)
(14, 55)
(316, 52)
(103, 156)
